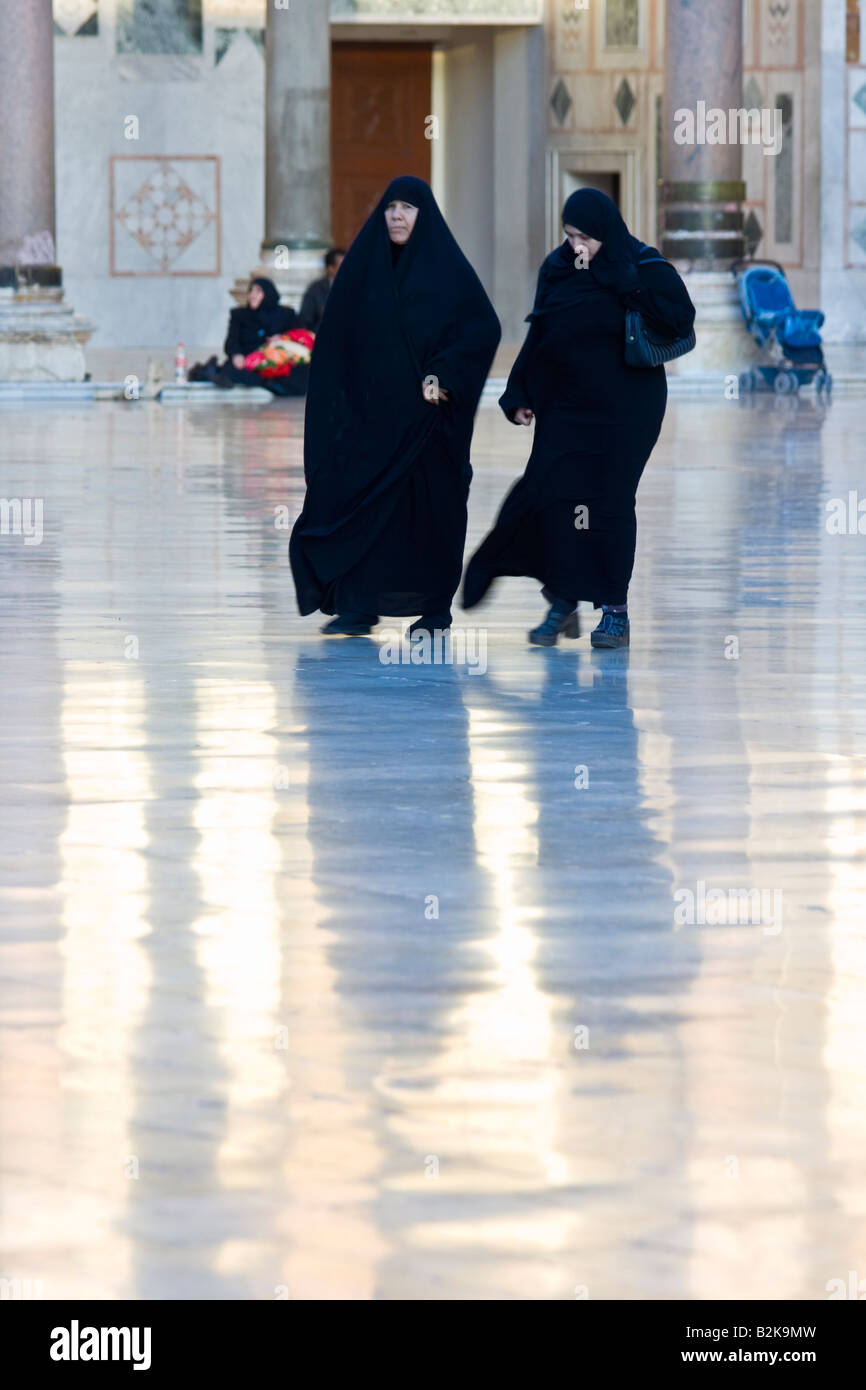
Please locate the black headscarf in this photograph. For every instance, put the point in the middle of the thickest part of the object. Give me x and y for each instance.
(250, 328)
(270, 313)
(614, 266)
(390, 322)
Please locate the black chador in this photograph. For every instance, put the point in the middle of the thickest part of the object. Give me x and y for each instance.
(387, 470)
(249, 331)
(570, 520)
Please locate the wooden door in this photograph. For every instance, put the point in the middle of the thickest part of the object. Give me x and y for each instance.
(380, 101)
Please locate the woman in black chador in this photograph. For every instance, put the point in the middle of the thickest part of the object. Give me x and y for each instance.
(400, 362)
(251, 326)
(570, 520)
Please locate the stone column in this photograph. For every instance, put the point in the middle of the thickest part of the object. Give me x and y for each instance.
(519, 147)
(297, 147)
(40, 337)
(703, 191)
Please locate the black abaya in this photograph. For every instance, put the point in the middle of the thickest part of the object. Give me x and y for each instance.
(384, 519)
(570, 520)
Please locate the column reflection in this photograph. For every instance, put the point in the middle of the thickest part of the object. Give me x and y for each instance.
(593, 892)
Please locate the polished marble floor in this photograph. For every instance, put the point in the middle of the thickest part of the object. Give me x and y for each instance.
(325, 977)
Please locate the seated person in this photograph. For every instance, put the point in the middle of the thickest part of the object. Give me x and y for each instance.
(251, 327)
(316, 297)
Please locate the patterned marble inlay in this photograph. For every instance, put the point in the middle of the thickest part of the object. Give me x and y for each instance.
(621, 24)
(779, 30)
(860, 98)
(155, 220)
(159, 26)
(624, 100)
(858, 234)
(561, 101)
(571, 36)
(76, 18)
(778, 21)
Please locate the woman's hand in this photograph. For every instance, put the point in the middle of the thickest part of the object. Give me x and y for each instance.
(523, 416)
(238, 360)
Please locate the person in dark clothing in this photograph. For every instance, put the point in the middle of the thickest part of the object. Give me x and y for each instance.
(570, 520)
(316, 296)
(251, 326)
(400, 362)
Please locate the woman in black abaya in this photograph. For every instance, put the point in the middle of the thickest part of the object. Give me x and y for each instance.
(570, 520)
(400, 362)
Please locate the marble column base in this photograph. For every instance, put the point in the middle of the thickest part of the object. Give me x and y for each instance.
(724, 345)
(41, 338)
(292, 280)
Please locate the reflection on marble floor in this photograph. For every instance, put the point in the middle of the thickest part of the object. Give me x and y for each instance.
(241, 1054)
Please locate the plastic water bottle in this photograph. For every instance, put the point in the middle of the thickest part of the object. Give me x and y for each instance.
(180, 365)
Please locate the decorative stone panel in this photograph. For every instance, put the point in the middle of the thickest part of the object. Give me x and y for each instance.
(165, 215)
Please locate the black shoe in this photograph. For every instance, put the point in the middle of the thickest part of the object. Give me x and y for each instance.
(222, 380)
(561, 621)
(434, 622)
(612, 631)
(350, 625)
(202, 371)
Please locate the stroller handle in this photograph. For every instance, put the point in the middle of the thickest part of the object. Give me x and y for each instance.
(759, 260)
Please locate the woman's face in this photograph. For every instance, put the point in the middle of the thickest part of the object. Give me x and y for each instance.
(400, 219)
(581, 241)
(255, 296)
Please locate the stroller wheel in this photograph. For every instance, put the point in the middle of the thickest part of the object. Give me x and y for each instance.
(823, 381)
(786, 383)
(747, 381)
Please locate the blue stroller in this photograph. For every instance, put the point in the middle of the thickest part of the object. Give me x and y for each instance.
(790, 337)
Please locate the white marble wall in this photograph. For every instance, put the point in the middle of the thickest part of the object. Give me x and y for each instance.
(186, 107)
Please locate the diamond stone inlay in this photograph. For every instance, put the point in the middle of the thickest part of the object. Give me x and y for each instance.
(752, 97)
(165, 215)
(561, 101)
(624, 100)
(752, 232)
